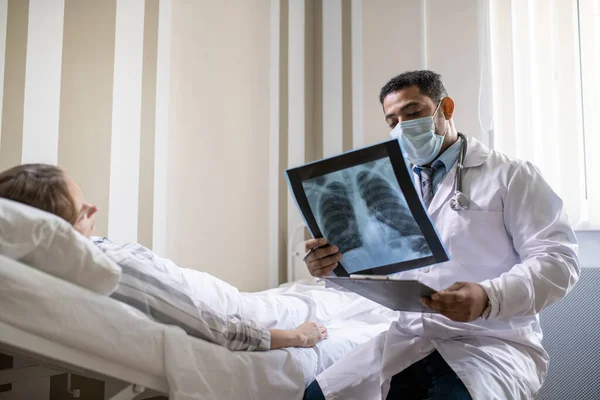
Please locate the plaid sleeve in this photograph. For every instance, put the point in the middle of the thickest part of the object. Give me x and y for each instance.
(236, 333)
(145, 285)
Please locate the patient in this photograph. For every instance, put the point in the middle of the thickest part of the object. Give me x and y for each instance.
(48, 188)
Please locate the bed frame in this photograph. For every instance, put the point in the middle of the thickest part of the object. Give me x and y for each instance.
(56, 359)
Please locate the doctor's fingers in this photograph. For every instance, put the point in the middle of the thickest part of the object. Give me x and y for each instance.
(312, 243)
(323, 271)
(442, 307)
(445, 297)
(323, 253)
(323, 266)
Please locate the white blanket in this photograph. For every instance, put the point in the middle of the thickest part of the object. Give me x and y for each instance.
(283, 308)
(350, 319)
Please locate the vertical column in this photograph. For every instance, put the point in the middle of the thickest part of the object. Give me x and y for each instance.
(161, 143)
(332, 78)
(502, 78)
(3, 21)
(386, 24)
(126, 121)
(296, 110)
(278, 142)
(86, 99)
(42, 81)
(148, 124)
(358, 95)
(14, 83)
(274, 68)
(347, 89)
(313, 80)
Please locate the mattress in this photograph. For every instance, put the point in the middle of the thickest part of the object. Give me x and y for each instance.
(63, 313)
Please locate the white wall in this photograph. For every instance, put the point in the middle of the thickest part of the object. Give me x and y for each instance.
(126, 121)
(218, 164)
(427, 34)
(42, 81)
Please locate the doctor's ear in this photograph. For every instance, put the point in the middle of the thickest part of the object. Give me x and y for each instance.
(447, 107)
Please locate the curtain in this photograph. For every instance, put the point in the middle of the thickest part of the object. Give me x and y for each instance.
(545, 57)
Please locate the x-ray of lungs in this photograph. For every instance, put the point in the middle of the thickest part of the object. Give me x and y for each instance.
(364, 201)
(362, 210)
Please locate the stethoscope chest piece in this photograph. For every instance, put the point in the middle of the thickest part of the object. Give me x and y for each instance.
(460, 202)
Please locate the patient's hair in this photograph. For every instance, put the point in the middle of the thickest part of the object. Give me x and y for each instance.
(41, 186)
(429, 83)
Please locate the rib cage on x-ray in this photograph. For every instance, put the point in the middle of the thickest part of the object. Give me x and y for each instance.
(358, 196)
(338, 217)
(385, 203)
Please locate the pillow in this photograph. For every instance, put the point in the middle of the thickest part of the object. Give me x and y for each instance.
(50, 244)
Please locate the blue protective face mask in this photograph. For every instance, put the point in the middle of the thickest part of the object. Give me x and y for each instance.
(418, 140)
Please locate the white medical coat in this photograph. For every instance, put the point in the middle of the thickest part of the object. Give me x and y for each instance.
(516, 241)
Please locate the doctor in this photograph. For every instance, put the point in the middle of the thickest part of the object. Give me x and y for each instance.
(513, 253)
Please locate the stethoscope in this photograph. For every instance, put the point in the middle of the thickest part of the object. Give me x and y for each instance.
(460, 201)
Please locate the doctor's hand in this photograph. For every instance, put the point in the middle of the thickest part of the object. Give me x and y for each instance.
(462, 302)
(322, 261)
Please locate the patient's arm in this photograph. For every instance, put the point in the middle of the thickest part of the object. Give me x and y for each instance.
(306, 335)
(246, 335)
(243, 334)
(151, 287)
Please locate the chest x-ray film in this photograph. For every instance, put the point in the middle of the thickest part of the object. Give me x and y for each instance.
(365, 203)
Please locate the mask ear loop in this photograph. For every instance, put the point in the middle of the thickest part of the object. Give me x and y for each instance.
(433, 116)
(437, 108)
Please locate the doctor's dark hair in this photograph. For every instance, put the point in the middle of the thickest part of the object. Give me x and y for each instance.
(429, 83)
(41, 186)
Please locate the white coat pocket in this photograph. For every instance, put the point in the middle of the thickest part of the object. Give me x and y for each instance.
(479, 238)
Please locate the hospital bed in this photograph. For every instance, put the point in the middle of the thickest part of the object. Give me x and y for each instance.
(66, 328)
(69, 329)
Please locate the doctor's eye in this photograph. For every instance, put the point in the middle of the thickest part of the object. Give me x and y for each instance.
(393, 125)
(413, 114)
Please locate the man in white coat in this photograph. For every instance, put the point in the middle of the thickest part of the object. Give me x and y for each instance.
(513, 253)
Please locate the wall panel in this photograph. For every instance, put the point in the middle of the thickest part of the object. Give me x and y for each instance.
(85, 124)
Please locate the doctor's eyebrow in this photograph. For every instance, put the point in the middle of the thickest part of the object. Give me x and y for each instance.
(411, 104)
(404, 108)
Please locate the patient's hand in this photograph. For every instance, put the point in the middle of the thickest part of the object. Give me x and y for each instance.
(311, 334)
(306, 335)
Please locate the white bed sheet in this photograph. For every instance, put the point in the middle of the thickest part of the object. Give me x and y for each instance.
(64, 313)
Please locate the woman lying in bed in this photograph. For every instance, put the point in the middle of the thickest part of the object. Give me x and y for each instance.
(149, 282)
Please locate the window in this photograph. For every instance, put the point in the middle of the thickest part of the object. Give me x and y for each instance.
(545, 57)
(589, 51)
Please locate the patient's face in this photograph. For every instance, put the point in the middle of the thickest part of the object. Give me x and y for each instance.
(86, 218)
